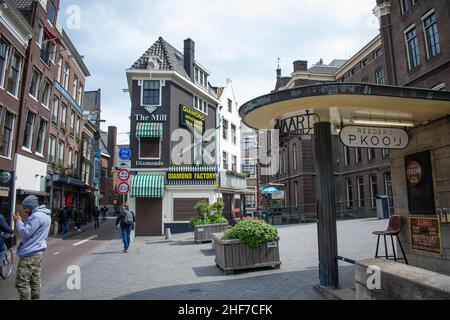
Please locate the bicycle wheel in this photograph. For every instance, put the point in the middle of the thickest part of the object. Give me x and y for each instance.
(7, 265)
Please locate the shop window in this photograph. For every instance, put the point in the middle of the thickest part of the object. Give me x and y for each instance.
(150, 148)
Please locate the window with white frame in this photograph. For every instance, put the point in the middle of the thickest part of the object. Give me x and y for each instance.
(431, 35)
(373, 190)
(75, 88)
(61, 154)
(7, 133)
(233, 134)
(361, 200)
(52, 149)
(404, 6)
(70, 160)
(296, 202)
(15, 71)
(200, 105)
(58, 76)
(346, 155)
(72, 123)
(66, 76)
(80, 94)
(225, 161)
(78, 126)
(349, 192)
(63, 115)
(249, 167)
(46, 95)
(377, 52)
(230, 106)
(412, 46)
(51, 12)
(358, 155)
(55, 110)
(379, 75)
(35, 83)
(225, 129)
(151, 93)
(39, 34)
(29, 130)
(294, 151)
(370, 154)
(4, 48)
(388, 188)
(41, 137)
(233, 163)
(48, 49)
(201, 77)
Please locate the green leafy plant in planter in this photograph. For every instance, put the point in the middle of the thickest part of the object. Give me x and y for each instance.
(208, 214)
(253, 233)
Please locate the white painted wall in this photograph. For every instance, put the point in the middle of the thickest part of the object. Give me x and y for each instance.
(30, 174)
(232, 118)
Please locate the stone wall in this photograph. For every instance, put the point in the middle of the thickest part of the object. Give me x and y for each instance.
(399, 282)
(435, 137)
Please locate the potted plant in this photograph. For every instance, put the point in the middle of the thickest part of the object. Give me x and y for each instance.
(210, 220)
(250, 244)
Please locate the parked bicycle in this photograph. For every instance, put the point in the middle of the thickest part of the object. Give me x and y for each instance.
(8, 259)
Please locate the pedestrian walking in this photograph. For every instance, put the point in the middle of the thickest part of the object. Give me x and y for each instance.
(125, 221)
(33, 233)
(78, 219)
(6, 229)
(96, 218)
(67, 215)
(104, 213)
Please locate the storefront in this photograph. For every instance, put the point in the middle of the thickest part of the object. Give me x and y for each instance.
(325, 109)
(166, 199)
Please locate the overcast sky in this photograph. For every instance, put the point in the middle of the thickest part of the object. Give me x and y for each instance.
(236, 39)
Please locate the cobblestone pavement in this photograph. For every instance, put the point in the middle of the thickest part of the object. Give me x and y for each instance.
(156, 269)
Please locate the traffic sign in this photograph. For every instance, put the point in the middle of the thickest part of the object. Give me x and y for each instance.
(123, 188)
(125, 154)
(124, 175)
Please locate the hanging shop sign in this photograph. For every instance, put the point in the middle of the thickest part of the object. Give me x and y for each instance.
(426, 235)
(419, 180)
(192, 120)
(374, 137)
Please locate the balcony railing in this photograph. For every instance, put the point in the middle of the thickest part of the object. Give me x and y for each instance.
(233, 180)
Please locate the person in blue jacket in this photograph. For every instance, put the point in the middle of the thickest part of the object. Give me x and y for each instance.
(33, 234)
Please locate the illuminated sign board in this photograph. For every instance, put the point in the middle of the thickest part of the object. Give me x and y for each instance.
(192, 120)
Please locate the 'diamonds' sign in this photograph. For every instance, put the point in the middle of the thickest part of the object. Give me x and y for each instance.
(374, 137)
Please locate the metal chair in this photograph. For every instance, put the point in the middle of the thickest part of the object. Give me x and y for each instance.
(394, 229)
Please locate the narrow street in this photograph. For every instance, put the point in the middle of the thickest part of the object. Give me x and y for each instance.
(179, 269)
(64, 253)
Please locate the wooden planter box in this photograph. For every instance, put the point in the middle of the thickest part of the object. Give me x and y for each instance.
(232, 255)
(203, 233)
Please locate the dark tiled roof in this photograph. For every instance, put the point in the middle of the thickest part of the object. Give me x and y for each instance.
(171, 58)
(22, 4)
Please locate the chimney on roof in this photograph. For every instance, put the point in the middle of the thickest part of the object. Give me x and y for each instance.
(300, 65)
(189, 57)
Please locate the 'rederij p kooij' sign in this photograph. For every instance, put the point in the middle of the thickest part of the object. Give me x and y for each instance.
(374, 137)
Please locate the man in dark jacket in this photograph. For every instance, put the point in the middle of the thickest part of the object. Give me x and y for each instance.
(96, 218)
(67, 213)
(4, 228)
(126, 220)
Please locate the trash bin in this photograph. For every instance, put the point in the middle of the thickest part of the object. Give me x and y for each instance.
(382, 207)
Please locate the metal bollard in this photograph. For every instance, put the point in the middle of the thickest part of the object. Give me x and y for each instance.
(55, 228)
(168, 234)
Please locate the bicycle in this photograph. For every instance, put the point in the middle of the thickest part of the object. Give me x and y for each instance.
(8, 259)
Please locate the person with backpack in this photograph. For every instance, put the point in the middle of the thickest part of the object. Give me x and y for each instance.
(126, 220)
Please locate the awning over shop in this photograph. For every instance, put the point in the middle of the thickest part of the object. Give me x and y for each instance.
(147, 186)
(149, 130)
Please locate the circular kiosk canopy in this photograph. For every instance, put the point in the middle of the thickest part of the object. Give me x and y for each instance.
(350, 103)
